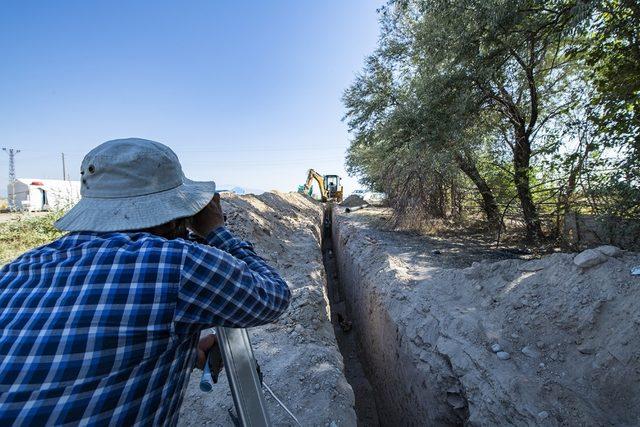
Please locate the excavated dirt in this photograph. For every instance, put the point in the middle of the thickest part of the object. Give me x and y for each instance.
(433, 332)
(298, 354)
(352, 201)
(565, 339)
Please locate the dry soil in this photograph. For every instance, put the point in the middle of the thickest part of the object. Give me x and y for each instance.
(450, 340)
(298, 354)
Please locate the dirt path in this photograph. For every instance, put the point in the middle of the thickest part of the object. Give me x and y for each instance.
(419, 254)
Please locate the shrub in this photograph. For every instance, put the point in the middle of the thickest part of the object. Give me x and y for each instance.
(26, 232)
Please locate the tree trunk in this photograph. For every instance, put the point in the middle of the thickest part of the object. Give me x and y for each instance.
(521, 166)
(489, 205)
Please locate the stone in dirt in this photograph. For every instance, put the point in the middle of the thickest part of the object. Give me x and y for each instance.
(496, 348)
(589, 258)
(609, 250)
(530, 352)
(503, 355)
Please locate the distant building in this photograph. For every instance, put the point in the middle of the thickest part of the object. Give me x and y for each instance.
(42, 194)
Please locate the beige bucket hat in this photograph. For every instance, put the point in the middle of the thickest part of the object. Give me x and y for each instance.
(131, 184)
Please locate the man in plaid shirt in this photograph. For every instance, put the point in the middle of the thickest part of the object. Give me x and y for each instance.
(101, 327)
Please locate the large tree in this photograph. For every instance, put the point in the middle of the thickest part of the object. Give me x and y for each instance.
(611, 50)
(416, 130)
(512, 56)
(506, 59)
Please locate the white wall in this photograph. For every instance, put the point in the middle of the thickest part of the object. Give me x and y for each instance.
(58, 194)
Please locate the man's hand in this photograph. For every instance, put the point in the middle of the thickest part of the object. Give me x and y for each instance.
(209, 218)
(204, 346)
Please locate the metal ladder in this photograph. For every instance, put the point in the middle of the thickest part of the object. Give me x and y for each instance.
(245, 378)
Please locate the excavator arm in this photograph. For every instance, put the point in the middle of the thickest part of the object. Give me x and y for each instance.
(311, 176)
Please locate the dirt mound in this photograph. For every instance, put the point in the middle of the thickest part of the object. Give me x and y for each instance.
(298, 354)
(353, 201)
(509, 342)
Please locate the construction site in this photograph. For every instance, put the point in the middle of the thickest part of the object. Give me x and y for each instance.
(450, 190)
(389, 328)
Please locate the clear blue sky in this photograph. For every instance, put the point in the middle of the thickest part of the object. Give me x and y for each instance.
(245, 92)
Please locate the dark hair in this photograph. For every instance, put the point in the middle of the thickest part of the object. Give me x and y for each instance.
(173, 229)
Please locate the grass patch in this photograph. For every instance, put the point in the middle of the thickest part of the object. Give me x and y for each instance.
(26, 232)
(4, 205)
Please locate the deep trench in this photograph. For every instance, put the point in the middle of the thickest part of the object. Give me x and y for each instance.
(395, 380)
(346, 332)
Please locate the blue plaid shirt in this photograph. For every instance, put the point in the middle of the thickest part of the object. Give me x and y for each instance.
(102, 328)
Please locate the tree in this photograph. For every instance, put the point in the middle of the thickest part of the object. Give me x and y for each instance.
(511, 54)
(471, 59)
(396, 113)
(611, 51)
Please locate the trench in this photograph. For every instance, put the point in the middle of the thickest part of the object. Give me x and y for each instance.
(346, 332)
(396, 381)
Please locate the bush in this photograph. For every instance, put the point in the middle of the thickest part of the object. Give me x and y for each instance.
(26, 232)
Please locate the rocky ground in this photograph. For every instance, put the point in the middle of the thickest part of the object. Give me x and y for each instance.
(298, 354)
(457, 334)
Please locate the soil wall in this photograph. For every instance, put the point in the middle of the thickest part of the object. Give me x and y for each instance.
(405, 387)
(298, 353)
(552, 341)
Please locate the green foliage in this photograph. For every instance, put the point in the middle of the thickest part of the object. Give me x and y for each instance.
(26, 232)
(496, 96)
(612, 51)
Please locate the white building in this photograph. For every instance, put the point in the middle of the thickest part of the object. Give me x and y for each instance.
(43, 194)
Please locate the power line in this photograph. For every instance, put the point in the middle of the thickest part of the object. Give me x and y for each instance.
(12, 175)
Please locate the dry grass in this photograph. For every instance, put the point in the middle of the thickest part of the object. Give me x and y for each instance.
(4, 205)
(24, 233)
(473, 232)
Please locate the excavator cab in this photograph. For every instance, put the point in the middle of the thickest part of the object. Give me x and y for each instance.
(330, 186)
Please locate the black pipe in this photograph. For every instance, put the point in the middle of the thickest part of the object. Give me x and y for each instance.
(356, 208)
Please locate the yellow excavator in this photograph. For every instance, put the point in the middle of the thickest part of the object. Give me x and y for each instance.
(330, 186)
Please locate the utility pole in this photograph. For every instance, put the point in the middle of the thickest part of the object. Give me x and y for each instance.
(12, 175)
(64, 169)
